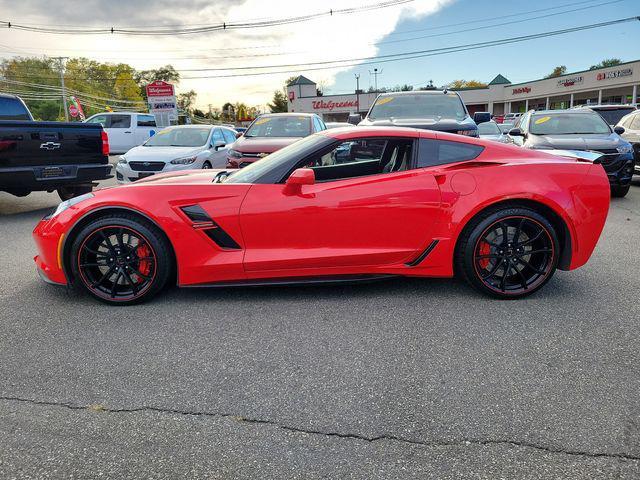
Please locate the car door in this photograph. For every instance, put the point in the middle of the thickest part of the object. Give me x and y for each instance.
(219, 142)
(145, 127)
(120, 133)
(367, 208)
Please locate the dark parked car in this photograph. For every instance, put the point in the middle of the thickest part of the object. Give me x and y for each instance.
(578, 129)
(631, 125)
(439, 110)
(36, 156)
(611, 113)
(269, 133)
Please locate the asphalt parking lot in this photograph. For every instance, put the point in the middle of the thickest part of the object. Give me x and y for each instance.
(400, 379)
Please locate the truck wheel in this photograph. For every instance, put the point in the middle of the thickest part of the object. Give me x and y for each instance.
(619, 191)
(66, 193)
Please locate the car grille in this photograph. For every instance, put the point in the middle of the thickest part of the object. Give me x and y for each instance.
(244, 164)
(255, 155)
(146, 166)
(610, 155)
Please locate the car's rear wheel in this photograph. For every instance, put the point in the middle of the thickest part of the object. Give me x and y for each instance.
(509, 252)
(206, 165)
(618, 191)
(121, 259)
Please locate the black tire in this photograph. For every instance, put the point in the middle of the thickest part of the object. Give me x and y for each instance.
(66, 193)
(121, 259)
(619, 191)
(526, 257)
(206, 165)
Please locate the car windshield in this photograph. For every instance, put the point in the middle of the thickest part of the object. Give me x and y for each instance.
(488, 128)
(251, 172)
(179, 137)
(567, 124)
(280, 126)
(613, 115)
(418, 106)
(505, 127)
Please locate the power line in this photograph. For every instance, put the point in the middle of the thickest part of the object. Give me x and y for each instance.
(198, 30)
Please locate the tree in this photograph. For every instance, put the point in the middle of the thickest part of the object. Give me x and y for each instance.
(198, 113)
(228, 112)
(607, 62)
(279, 102)
(557, 72)
(162, 74)
(458, 84)
(186, 100)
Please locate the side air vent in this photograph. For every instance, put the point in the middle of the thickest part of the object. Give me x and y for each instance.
(222, 238)
(196, 214)
(420, 258)
(202, 221)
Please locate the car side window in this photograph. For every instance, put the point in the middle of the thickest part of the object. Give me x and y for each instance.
(217, 137)
(229, 136)
(120, 121)
(317, 124)
(441, 152)
(101, 119)
(361, 157)
(146, 121)
(635, 122)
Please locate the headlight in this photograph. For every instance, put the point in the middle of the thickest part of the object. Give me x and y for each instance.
(183, 161)
(234, 153)
(625, 148)
(70, 203)
(123, 160)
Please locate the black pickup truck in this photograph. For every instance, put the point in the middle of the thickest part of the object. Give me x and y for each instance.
(37, 156)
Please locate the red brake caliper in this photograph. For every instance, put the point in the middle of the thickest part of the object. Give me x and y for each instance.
(144, 266)
(485, 249)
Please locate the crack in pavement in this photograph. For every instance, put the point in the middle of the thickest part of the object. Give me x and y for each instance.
(353, 436)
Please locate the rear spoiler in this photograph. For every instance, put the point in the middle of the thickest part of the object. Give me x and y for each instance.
(588, 155)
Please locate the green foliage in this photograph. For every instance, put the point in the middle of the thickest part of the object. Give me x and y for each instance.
(607, 62)
(279, 102)
(557, 72)
(186, 100)
(458, 84)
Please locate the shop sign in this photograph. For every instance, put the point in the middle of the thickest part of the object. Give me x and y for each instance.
(625, 72)
(519, 90)
(571, 81)
(330, 104)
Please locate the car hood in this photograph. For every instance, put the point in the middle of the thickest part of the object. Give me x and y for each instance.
(179, 177)
(436, 123)
(577, 142)
(146, 154)
(262, 144)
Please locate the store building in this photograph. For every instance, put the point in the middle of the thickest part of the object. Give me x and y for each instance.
(619, 84)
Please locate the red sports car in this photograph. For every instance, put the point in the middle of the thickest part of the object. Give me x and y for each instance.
(341, 205)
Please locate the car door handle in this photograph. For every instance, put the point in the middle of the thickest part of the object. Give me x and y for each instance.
(127, 132)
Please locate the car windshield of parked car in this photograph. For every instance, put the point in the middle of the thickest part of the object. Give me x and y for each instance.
(290, 153)
(613, 115)
(179, 137)
(418, 106)
(488, 128)
(567, 124)
(280, 126)
(505, 127)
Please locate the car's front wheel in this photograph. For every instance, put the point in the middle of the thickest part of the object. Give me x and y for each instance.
(619, 191)
(121, 259)
(508, 252)
(66, 193)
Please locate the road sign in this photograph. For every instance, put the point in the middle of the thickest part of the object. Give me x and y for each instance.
(162, 102)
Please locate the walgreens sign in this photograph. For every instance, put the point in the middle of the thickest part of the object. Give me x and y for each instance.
(331, 105)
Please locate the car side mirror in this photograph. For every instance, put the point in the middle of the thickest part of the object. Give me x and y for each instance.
(618, 129)
(301, 176)
(481, 117)
(354, 118)
(516, 132)
(238, 134)
(218, 145)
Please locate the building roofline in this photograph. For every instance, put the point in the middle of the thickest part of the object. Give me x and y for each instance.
(572, 73)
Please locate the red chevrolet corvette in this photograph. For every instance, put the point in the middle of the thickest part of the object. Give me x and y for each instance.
(341, 205)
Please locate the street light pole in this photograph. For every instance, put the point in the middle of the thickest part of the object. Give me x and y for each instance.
(64, 91)
(357, 75)
(375, 74)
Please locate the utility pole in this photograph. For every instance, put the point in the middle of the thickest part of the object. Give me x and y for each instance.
(357, 75)
(375, 74)
(64, 91)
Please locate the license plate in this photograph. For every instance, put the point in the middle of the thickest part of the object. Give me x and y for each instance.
(145, 175)
(49, 172)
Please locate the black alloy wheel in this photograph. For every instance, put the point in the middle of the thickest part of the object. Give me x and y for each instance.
(120, 259)
(510, 253)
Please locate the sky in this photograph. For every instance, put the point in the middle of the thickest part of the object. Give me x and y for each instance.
(411, 26)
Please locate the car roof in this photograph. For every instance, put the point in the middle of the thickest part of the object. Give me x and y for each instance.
(289, 114)
(419, 92)
(608, 106)
(8, 95)
(573, 111)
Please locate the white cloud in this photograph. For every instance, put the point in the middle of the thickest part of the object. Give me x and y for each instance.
(327, 38)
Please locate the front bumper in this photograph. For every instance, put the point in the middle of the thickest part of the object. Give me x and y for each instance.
(620, 169)
(49, 239)
(125, 174)
(233, 162)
